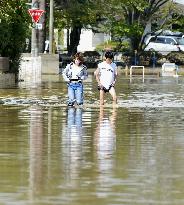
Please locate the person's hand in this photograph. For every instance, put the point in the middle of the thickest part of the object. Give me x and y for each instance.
(68, 82)
(100, 85)
(113, 84)
(78, 77)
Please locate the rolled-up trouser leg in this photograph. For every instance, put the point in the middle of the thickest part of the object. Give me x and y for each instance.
(79, 94)
(71, 95)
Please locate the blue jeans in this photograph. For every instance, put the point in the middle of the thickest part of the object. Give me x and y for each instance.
(74, 117)
(75, 93)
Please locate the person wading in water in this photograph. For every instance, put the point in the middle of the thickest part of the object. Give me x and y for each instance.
(106, 74)
(74, 74)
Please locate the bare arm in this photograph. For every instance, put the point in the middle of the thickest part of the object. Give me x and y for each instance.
(96, 73)
(115, 76)
(65, 73)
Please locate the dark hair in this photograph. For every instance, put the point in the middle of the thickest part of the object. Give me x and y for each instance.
(79, 56)
(109, 54)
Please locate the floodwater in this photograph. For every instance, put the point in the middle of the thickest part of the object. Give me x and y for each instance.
(131, 155)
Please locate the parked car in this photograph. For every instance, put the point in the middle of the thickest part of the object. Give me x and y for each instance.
(164, 44)
(91, 58)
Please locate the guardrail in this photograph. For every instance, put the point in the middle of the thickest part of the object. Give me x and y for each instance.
(137, 66)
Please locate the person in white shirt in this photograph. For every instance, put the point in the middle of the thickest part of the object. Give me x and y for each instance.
(106, 74)
(74, 74)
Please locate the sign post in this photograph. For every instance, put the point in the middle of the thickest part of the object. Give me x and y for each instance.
(51, 29)
(36, 15)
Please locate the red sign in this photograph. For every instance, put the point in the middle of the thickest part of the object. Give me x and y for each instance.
(36, 14)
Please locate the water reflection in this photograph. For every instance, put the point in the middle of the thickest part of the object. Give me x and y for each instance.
(30, 72)
(124, 155)
(72, 142)
(105, 138)
(36, 152)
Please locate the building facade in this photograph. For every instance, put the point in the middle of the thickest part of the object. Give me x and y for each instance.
(88, 40)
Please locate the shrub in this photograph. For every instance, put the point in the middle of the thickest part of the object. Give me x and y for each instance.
(176, 57)
(14, 26)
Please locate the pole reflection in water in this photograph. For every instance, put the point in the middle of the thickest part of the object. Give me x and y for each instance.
(72, 143)
(105, 139)
(30, 72)
(36, 153)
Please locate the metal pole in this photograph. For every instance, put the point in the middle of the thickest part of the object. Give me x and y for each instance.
(41, 32)
(135, 57)
(34, 43)
(34, 46)
(154, 59)
(51, 27)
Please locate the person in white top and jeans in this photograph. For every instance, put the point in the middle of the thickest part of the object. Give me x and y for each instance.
(74, 74)
(106, 74)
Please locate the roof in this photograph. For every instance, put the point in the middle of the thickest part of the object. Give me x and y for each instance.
(179, 1)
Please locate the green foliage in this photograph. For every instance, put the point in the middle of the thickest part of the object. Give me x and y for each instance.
(111, 45)
(76, 15)
(123, 29)
(123, 46)
(178, 24)
(82, 13)
(130, 17)
(14, 27)
(176, 57)
(118, 18)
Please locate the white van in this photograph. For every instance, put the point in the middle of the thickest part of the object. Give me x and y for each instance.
(164, 44)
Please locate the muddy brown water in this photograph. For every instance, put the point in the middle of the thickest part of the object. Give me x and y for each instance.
(132, 154)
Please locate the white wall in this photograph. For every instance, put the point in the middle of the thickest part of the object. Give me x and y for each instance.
(88, 40)
(85, 43)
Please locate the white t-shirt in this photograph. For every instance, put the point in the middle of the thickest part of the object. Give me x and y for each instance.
(107, 73)
(75, 71)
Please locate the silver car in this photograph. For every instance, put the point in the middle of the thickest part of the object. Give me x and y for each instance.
(164, 44)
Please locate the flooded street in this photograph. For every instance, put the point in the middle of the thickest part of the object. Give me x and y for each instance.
(132, 154)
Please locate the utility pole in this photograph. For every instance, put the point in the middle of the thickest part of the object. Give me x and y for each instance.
(51, 29)
(34, 41)
(41, 36)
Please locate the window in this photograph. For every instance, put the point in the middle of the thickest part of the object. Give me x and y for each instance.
(170, 41)
(152, 39)
(180, 41)
(160, 40)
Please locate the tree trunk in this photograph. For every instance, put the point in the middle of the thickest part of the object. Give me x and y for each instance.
(74, 39)
(68, 38)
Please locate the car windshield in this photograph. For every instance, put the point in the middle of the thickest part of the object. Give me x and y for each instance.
(180, 41)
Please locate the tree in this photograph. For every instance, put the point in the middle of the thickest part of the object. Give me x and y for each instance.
(120, 18)
(75, 15)
(131, 18)
(13, 26)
